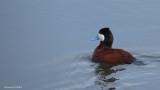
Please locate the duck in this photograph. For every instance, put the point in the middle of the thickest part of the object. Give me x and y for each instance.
(105, 53)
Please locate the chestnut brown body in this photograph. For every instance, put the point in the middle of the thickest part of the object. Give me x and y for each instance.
(106, 54)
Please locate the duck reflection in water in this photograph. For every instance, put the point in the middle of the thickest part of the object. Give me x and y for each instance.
(102, 71)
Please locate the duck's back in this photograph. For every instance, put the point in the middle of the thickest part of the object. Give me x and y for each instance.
(109, 55)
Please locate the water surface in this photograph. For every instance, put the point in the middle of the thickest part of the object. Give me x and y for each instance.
(46, 45)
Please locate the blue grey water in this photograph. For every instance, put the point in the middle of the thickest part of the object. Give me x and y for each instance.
(46, 44)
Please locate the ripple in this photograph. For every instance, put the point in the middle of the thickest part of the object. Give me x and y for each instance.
(84, 56)
(80, 73)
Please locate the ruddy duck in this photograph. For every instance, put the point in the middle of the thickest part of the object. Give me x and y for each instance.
(105, 53)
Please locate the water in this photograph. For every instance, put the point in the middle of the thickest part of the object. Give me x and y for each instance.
(46, 45)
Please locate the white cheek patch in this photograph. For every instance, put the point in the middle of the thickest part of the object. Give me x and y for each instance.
(101, 37)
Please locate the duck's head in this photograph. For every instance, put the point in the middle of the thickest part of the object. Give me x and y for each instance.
(105, 36)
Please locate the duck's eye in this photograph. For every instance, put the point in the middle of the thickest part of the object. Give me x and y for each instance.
(101, 37)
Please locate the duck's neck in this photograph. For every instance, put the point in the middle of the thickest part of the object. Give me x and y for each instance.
(109, 45)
